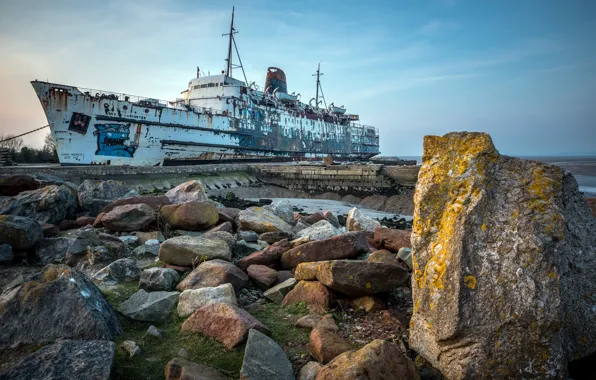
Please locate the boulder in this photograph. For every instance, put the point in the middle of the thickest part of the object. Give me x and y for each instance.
(225, 227)
(19, 232)
(359, 278)
(94, 195)
(504, 260)
(263, 276)
(128, 217)
(261, 220)
(383, 256)
(66, 359)
(149, 307)
(192, 250)
(248, 236)
(312, 321)
(392, 239)
(351, 199)
(129, 240)
(227, 237)
(283, 275)
(214, 273)
(314, 294)
(274, 237)
(278, 292)
(229, 212)
(156, 202)
(228, 324)
(119, 271)
(190, 191)
(146, 250)
(377, 360)
(159, 279)
(6, 254)
(82, 221)
(83, 247)
(58, 303)
(13, 185)
(153, 235)
(307, 271)
(321, 230)
(374, 202)
(296, 242)
(191, 216)
(182, 369)
(356, 221)
(368, 304)
(242, 248)
(264, 359)
(67, 224)
(309, 371)
(314, 218)
(337, 247)
(50, 230)
(50, 204)
(300, 225)
(324, 345)
(332, 219)
(193, 299)
(269, 256)
(283, 209)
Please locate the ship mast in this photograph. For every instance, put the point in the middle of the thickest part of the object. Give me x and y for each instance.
(318, 75)
(232, 41)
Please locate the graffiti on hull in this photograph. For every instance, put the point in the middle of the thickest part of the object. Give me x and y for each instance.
(114, 140)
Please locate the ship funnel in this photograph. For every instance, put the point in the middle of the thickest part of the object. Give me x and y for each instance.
(276, 79)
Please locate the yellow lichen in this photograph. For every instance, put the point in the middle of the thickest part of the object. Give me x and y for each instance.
(483, 227)
(470, 281)
(368, 285)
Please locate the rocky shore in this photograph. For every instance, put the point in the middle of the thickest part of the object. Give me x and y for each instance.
(493, 279)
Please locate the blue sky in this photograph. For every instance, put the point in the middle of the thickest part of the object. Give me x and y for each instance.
(524, 71)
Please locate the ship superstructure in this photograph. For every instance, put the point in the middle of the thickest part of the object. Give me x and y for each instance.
(218, 117)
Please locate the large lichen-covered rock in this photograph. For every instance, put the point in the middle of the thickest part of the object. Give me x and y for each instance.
(19, 232)
(261, 220)
(94, 195)
(190, 191)
(131, 217)
(504, 263)
(190, 216)
(50, 204)
(192, 250)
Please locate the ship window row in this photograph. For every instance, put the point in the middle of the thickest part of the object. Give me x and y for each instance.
(208, 85)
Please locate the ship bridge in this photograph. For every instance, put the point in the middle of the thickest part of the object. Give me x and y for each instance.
(209, 91)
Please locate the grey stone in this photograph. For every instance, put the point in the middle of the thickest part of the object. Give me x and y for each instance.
(279, 291)
(131, 217)
(88, 247)
(182, 353)
(505, 263)
(248, 236)
(261, 220)
(242, 248)
(58, 303)
(405, 254)
(214, 273)
(149, 307)
(146, 250)
(130, 346)
(154, 332)
(94, 195)
(50, 204)
(321, 230)
(119, 271)
(356, 221)
(221, 235)
(300, 225)
(19, 232)
(6, 254)
(159, 279)
(191, 191)
(66, 359)
(309, 371)
(264, 359)
(283, 209)
(192, 299)
(129, 239)
(332, 219)
(189, 250)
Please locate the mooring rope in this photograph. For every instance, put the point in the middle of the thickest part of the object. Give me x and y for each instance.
(23, 134)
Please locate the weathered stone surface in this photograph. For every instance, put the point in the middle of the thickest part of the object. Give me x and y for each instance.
(193, 299)
(269, 256)
(146, 250)
(94, 195)
(191, 216)
(332, 219)
(229, 212)
(283, 209)
(374, 202)
(154, 201)
(368, 304)
(242, 248)
(153, 235)
(58, 303)
(377, 360)
(504, 258)
(130, 346)
(314, 218)
(311, 321)
(283, 275)
(338, 247)
(66, 359)
(118, 271)
(248, 236)
(128, 217)
(6, 254)
(50, 204)
(19, 232)
(228, 324)
(190, 191)
(225, 236)
(214, 273)
(159, 279)
(263, 276)
(149, 307)
(356, 221)
(182, 369)
(296, 242)
(13, 185)
(321, 230)
(129, 240)
(316, 296)
(325, 345)
(309, 371)
(225, 226)
(192, 250)
(592, 204)
(274, 237)
(279, 291)
(307, 271)
(392, 239)
(383, 256)
(260, 220)
(359, 278)
(300, 225)
(82, 221)
(87, 246)
(405, 255)
(154, 332)
(264, 359)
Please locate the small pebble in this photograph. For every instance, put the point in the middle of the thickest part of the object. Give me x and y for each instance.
(154, 331)
(182, 353)
(131, 347)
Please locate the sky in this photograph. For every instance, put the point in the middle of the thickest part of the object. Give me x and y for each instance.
(523, 71)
